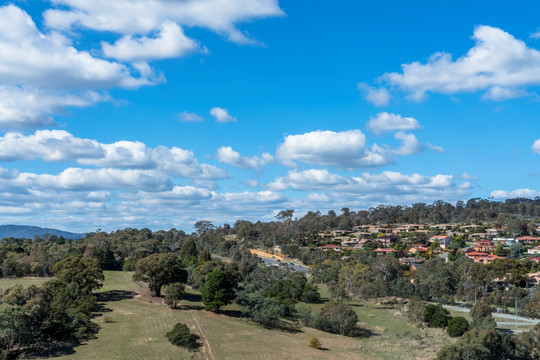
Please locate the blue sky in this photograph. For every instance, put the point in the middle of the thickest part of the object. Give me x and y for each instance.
(138, 113)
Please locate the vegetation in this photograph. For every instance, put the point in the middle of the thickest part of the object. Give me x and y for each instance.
(181, 336)
(457, 326)
(218, 290)
(174, 293)
(159, 270)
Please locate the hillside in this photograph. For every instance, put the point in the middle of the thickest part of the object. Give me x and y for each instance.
(28, 232)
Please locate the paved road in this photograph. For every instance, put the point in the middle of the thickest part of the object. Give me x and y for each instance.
(295, 267)
(522, 321)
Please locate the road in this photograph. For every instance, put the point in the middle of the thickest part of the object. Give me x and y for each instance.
(292, 266)
(522, 321)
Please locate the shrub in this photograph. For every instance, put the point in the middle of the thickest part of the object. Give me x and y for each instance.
(457, 326)
(437, 316)
(180, 336)
(174, 293)
(314, 342)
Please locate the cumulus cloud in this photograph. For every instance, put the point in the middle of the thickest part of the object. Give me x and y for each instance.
(503, 194)
(189, 117)
(171, 42)
(376, 96)
(143, 16)
(410, 145)
(536, 147)
(467, 176)
(48, 145)
(345, 149)
(386, 122)
(222, 115)
(49, 61)
(227, 155)
(498, 63)
(376, 186)
(59, 145)
(25, 107)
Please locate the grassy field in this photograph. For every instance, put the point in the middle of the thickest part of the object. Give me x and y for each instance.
(133, 326)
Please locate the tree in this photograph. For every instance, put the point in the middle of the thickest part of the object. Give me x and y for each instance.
(86, 273)
(173, 293)
(14, 326)
(337, 319)
(457, 326)
(159, 270)
(203, 226)
(416, 310)
(181, 336)
(481, 316)
(516, 250)
(437, 316)
(218, 290)
(499, 250)
(204, 256)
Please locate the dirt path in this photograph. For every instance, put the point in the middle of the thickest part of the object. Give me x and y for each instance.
(207, 344)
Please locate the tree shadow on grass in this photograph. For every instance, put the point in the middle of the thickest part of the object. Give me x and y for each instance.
(192, 297)
(231, 313)
(115, 295)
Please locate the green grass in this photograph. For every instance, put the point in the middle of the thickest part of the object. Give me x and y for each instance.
(133, 326)
(6, 283)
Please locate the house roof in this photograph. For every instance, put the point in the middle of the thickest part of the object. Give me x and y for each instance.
(384, 250)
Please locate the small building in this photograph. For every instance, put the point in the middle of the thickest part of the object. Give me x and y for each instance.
(443, 240)
(492, 232)
(387, 240)
(484, 246)
(482, 257)
(534, 251)
(327, 247)
(410, 261)
(383, 251)
(527, 239)
(504, 241)
(418, 249)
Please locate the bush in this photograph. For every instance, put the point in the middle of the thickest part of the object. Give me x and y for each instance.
(174, 293)
(437, 316)
(416, 310)
(314, 342)
(457, 326)
(180, 336)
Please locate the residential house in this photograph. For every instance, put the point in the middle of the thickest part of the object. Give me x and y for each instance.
(534, 251)
(327, 247)
(443, 240)
(419, 249)
(383, 251)
(492, 232)
(504, 241)
(482, 257)
(410, 261)
(484, 246)
(527, 239)
(387, 240)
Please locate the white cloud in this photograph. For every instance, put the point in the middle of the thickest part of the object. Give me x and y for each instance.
(467, 176)
(189, 117)
(222, 115)
(50, 61)
(143, 16)
(386, 122)
(410, 145)
(28, 107)
(227, 155)
(436, 148)
(503, 194)
(377, 187)
(345, 149)
(48, 145)
(171, 42)
(59, 145)
(376, 96)
(536, 147)
(498, 63)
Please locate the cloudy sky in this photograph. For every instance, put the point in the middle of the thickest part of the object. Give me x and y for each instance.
(159, 113)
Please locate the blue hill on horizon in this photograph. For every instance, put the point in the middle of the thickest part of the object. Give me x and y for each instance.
(28, 232)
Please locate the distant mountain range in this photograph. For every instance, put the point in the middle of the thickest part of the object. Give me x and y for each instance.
(28, 232)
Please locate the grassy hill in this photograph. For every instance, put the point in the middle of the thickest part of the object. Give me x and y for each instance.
(28, 232)
(133, 326)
